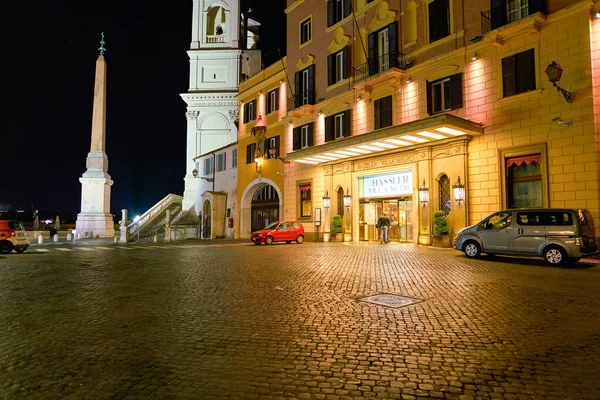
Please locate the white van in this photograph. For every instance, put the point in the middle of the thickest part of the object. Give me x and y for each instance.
(557, 234)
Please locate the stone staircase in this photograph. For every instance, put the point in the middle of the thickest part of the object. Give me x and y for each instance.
(153, 222)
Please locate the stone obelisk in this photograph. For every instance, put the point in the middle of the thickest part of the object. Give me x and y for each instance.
(95, 219)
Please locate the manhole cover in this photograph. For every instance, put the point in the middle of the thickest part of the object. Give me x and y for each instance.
(390, 300)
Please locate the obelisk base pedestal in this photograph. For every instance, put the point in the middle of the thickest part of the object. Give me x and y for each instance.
(91, 225)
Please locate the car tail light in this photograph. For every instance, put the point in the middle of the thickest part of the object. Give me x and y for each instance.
(577, 241)
(12, 232)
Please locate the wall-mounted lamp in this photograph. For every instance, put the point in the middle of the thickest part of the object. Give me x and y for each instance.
(459, 191)
(597, 14)
(259, 162)
(475, 56)
(409, 79)
(561, 121)
(358, 98)
(320, 113)
(554, 72)
(289, 123)
(195, 174)
(259, 92)
(281, 81)
(272, 154)
(347, 200)
(423, 194)
(326, 200)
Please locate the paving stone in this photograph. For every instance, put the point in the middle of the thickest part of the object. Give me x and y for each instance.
(213, 322)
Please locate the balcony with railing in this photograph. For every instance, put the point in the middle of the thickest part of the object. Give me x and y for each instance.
(215, 39)
(380, 67)
(486, 22)
(500, 16)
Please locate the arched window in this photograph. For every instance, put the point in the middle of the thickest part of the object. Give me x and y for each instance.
(340, 202)
(444, 191)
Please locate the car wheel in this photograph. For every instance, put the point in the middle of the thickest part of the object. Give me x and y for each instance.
(300, 239)
(5, 247)
(555, 255)
(269, 240)
(21, 249)
(472, 249)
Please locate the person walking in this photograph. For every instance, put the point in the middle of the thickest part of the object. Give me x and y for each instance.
(384, 223)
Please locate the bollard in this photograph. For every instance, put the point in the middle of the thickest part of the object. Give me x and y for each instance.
(55, 238)
(68, 237)
(155, 238)
(116, 239)
(40, 239)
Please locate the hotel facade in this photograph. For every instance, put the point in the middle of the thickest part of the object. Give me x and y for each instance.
(408, 107)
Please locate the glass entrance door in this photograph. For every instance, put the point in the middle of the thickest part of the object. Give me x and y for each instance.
(400, 210)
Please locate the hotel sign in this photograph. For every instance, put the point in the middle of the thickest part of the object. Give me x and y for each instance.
(399, 183)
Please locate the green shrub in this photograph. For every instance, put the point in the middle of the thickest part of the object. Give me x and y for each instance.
(336, 224)
(440, 224)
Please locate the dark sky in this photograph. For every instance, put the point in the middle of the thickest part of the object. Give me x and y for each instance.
(49, 53)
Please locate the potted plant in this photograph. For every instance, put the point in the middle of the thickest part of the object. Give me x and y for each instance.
(336, 228)
(440, 229)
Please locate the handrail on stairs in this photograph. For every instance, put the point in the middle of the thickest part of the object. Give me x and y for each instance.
(152, 212)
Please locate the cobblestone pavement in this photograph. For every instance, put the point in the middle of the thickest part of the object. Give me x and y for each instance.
(170, 321)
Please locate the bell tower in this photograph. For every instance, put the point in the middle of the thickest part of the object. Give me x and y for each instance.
(212, 105)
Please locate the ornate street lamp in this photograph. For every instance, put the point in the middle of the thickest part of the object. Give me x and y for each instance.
(326, 200)
(423, 194)
(459, 191)
(195, 172)
(554, 72)
(347, 200)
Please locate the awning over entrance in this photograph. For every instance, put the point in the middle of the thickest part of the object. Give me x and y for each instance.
(416, 133)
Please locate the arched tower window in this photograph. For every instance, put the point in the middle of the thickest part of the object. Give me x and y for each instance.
(444, 191)
(216, 24)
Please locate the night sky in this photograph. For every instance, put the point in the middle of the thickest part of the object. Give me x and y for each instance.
(48, 67)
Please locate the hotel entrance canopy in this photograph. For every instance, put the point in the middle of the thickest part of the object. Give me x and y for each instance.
(413, 134)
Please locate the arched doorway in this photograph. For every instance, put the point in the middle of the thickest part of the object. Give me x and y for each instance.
(265, 207)
(206, 218)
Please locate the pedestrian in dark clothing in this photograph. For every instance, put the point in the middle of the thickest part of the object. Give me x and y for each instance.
(383, 223)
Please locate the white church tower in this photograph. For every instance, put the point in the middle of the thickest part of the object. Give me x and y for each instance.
(215, 69)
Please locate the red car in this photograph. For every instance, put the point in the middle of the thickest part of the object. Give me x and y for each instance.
(279, 231)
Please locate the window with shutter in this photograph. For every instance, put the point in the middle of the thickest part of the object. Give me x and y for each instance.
(273, 101)
(305, 86)
(250, 111)
(305, 31)
(383, 112)
(250, 153)
(444, 94)
(337, 66)
(383, 49)
(518, 73)
(337, 10)
(439, 20)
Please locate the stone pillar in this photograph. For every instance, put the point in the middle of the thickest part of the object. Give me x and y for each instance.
(124, 226)
(168, 226)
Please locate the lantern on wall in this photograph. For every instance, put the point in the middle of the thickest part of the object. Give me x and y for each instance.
(459, 191)
(423, 194)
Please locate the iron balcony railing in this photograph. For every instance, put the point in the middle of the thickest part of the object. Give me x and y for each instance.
(378, 65)
(486, 22)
